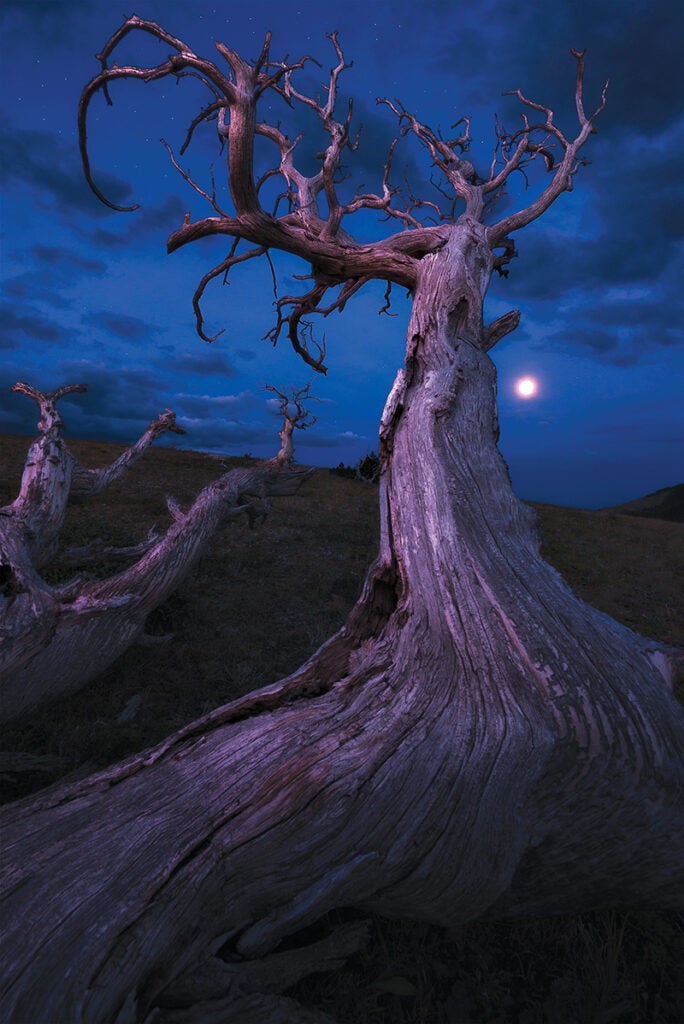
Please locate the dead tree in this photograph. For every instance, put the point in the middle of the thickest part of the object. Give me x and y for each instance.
(475, 741)
(55, 639)
(295, 417)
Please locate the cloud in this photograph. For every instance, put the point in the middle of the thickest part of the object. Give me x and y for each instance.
(119, 402)
(32, 325)
(619, 325)
(48, 18)
(58, 256)
(209, 405)
(128, 328)
(637, 46)
(41, 160)
(317, 439)
(59, 268)
(217, 434)
(18, 415)
(610, 283)
(601, 343)
(211, 362)
(138, 226)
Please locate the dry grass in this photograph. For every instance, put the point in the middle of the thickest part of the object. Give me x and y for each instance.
(253, 610)
(627, 566)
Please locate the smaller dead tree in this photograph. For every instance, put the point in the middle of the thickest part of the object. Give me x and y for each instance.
(55, 639)
(295, 417)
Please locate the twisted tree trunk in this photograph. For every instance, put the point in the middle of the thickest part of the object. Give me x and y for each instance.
(296, 416)
(475, 741)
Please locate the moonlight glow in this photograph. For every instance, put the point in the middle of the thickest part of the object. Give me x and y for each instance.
(526, 387)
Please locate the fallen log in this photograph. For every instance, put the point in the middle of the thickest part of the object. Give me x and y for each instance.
(56, 639)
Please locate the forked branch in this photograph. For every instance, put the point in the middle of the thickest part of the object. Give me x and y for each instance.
(544, 140)
(291, 405)
(313, 223)
(304, 229)
(296, 416)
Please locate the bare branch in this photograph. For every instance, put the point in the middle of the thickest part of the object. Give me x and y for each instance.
(291, 406)
(500, 327)
(502, 260)
(211, 198)
(174, 65)
(50, 419)
(532, 141)
(53, 476)
(387, 304)
(303, 230)
(303, 342)
(301, 417)
(87, 482)
(223, 268)
(312, 225)
(445, 154)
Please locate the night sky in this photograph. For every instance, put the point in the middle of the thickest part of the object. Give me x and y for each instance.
(89, 295)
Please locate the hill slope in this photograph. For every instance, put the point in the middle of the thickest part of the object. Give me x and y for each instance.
(667, 503)
(252, 612)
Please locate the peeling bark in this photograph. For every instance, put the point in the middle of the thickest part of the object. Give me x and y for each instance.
(474, 742)
(55, 639)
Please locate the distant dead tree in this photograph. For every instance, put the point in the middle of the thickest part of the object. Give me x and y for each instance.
(475, 741)
(292, 407)
(55, 639)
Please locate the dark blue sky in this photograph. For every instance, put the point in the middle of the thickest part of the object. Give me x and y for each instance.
(90, 295)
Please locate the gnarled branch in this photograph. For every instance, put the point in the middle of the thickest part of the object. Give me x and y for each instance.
(296, 416)
(531, 141)
(308, 230)
(55, 639)
(87, 482)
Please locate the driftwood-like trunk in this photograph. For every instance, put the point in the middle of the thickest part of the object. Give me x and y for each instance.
(296, 416)
(55, 639)
(476, 741)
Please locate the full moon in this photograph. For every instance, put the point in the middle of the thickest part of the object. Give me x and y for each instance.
(526, 387)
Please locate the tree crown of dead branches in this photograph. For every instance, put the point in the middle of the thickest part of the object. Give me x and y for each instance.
(308, 214)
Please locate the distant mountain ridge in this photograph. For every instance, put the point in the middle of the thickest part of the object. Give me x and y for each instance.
(667, 503)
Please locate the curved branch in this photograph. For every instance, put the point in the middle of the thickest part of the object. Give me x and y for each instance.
(53, 477)
(185, 175)
(303, 230)
(223, 268)
(184, 58)
(55, 640)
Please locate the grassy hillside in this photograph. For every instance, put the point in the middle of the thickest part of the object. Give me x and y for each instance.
(254, 609)
(667, 503)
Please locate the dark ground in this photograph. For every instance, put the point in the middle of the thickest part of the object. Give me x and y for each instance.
(259, 604)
